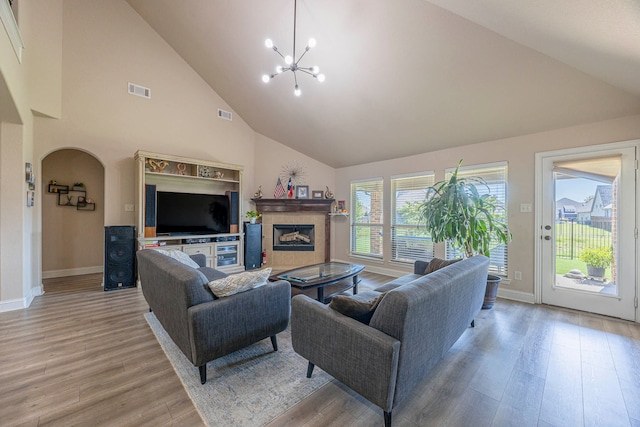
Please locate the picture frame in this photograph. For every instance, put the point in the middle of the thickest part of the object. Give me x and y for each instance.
(302, 192)
(30, 199)
(342, 206)
(317, 194)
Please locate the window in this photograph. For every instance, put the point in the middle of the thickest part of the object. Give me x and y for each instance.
(366, 218)
(409, 240)
(495, 176)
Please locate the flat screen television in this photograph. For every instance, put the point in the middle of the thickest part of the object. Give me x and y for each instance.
(190, 213)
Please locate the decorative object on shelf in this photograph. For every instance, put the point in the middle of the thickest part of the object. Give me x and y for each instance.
(55, 188)
(317, 194)
(328, 194)
(218, 174)
(205, 171)
(279, 190)
(290, 189)
(182, 168)
(291, 62)
(342, 206)
(75, 196)
(78, 186)
(258, 194)
(293, 171)
(157, 165)
(253, 216)
(302, 192)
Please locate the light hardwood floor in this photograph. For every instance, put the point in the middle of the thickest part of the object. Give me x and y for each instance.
(81, 356)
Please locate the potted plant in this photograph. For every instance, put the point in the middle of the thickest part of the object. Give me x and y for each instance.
(454, 211)
(253, 216)
(597, 260)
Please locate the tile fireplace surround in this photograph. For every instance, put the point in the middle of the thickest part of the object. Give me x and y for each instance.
(296, 211)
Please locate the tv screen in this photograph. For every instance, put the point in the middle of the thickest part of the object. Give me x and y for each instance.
(189, 213)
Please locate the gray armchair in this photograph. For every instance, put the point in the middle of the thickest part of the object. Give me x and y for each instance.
(202, 326)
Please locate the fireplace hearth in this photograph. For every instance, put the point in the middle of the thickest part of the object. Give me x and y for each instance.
(293, 237)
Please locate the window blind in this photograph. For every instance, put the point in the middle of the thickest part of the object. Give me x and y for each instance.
(366, 218)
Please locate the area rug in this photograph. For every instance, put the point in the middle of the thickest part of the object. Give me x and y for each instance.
(247, 388)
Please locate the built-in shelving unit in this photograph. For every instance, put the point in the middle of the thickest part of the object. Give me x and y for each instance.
(187, 175)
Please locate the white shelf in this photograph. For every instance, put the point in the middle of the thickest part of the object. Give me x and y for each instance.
(338, 213)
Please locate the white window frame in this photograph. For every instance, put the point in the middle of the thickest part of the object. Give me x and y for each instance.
(376, 184)
(499, 259)
(409, 240)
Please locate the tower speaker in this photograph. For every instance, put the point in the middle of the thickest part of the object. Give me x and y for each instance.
(150, 211)
(252, 246)
(234, 208)
(119, 257)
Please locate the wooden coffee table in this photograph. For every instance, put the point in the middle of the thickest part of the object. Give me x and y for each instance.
(321, 276)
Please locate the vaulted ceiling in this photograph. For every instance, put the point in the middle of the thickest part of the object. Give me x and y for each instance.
(410, 76)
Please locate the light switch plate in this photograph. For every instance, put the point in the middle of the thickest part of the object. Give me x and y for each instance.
(525, 207)
(128, 207)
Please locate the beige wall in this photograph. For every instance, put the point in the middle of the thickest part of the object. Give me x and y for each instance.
(519, 152)
(106, 46)
(271, 157)
(72, 240)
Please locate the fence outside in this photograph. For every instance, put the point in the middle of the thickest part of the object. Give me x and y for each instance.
(572, 236)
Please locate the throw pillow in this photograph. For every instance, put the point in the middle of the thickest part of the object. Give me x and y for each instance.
(359, 307)
(437, 264)
(179, 256)
(240, 282)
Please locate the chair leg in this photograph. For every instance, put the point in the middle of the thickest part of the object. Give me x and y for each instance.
(387, 419)
(274, 342)
(310, 369)
(473, 323)
(203, 373)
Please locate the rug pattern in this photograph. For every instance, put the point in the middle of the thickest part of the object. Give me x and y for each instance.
(249, 387)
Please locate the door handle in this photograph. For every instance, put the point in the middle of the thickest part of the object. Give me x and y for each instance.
(547, 227)
(547, 237)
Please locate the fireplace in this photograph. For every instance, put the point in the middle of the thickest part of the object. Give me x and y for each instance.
(290, 212)
(293, 237)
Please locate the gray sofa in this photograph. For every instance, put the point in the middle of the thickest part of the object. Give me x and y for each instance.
(202, 326)
(414, 325)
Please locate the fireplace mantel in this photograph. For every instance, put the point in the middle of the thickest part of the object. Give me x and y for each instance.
(293, 205)
(300, 206)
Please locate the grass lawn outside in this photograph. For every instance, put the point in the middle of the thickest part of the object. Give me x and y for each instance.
(565, 265)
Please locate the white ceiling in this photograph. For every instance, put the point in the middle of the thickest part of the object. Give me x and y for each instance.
(411, 76)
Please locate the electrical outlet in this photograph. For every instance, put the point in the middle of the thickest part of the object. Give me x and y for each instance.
(128, 207)
(517, 275)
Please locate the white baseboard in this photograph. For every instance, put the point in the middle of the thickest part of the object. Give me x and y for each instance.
(516, 295)
(72, 272)
(12, 304)
(20, 303)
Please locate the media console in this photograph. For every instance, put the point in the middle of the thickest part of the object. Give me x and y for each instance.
(223, 251)
(176, 174)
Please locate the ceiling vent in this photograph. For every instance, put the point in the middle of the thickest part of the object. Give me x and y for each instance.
(138, 90)
(225, 115)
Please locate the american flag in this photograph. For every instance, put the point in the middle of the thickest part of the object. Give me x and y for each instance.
(279, 191)
(290, 189)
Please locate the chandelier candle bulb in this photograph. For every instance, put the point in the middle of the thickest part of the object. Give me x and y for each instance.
(293, 60)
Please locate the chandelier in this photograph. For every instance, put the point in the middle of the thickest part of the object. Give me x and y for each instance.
(291, 63)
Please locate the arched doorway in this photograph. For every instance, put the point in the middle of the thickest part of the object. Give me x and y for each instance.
(72, 214)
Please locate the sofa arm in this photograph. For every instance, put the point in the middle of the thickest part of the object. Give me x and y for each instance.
(228, 324)
(200, 259)
(363, 358)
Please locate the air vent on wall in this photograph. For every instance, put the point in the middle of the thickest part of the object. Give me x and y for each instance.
(138, 90)
(225, 115)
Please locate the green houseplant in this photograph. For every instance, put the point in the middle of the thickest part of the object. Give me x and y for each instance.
(454, 211)
(597, 260)
(253, 216)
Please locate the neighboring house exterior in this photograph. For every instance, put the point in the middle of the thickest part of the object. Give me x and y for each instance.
(602, 201)
(566, 209)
